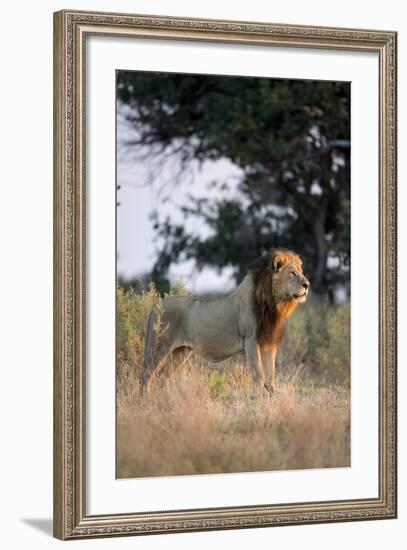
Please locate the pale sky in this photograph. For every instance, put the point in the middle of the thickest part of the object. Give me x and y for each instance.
(136, 249)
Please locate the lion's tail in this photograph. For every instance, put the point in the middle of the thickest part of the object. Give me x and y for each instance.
(148, 349)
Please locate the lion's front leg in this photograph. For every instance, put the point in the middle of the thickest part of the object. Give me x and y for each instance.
(268, 359)
(253, 358)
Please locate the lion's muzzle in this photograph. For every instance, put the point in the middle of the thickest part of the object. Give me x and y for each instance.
(302, 295)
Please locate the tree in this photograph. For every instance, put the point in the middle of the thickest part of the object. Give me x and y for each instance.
(291, 139)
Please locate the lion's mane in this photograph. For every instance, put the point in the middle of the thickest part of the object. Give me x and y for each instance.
(271, 311)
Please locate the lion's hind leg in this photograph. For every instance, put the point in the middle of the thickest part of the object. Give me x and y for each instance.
(160, 353)
(152, 365)
(175, 362)
(156, 350)
(164, 343)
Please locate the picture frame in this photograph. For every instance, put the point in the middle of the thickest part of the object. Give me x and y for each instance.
(72, 519)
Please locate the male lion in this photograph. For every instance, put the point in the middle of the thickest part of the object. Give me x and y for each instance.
(250, 320)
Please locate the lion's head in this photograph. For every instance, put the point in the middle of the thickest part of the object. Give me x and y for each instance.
(279, 285)
(288, 280)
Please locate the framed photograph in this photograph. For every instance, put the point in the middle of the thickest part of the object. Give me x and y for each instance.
(225, 274)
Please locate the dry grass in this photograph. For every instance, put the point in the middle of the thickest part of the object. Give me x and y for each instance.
(206, 421)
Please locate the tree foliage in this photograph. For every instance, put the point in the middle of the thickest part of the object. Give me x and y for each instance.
(291, 140)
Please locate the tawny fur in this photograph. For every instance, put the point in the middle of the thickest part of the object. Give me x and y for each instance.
(251, 320)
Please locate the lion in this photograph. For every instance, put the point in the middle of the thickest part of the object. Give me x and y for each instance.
(248, 321)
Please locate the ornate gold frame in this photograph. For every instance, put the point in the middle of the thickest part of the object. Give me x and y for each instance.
(70, 31)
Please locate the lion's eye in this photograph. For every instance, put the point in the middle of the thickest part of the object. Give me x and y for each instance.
(293, 273)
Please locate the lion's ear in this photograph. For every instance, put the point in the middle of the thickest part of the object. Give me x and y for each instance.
(278, 262)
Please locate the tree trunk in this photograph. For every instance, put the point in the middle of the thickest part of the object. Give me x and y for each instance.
(322, 249)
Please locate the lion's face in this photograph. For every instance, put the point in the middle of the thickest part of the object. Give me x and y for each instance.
(289, 280)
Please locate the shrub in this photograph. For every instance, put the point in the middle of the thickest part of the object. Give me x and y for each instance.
(333, 358)
(318, 337)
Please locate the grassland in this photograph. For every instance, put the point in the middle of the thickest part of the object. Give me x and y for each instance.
(206, 420)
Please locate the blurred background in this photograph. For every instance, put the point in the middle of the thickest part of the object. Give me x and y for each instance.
(215, 171)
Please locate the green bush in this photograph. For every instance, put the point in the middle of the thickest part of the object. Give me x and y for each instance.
(333, 357)
(132, 315)
(318, 337)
